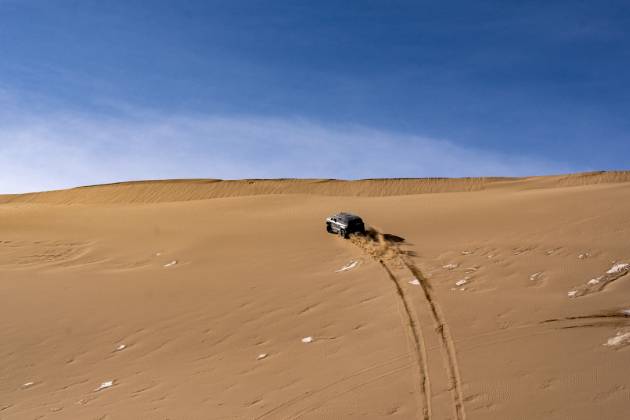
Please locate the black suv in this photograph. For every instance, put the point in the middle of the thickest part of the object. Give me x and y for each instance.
(344, 224)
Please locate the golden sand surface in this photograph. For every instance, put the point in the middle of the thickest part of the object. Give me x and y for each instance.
(477, 298)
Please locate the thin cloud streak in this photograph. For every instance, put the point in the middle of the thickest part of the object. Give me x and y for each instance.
(65, 150)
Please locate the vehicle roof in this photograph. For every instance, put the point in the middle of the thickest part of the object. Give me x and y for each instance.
(346, 217)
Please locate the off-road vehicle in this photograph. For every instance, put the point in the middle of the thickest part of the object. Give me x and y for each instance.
(344, 224)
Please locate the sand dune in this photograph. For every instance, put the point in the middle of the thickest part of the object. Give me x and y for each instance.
(228, 300)
(202, 189)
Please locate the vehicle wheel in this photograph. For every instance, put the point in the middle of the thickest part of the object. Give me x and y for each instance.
(343, 234)
(329, 228)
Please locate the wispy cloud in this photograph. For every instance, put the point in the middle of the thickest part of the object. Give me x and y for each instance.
(59, 150)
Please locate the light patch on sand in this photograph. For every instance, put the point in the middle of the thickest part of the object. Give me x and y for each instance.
(535, 276)
(171, 264)
(105, 385)
(28, 384)
(622, 338)
(584, 255)
(349, 266)
(618, 268)
(466, 252)
(450, 266)
(307, 340)
(597, 284)
(414, 282)
(261, 356)
(461, 282)
(121, 347)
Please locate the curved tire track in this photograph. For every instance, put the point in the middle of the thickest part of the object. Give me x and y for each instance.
(383, 250)
(448, 345)
(419, 345)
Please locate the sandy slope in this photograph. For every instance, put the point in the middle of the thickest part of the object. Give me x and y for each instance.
(82, 272)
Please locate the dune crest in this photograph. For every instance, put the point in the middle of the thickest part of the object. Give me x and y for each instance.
(203, 189)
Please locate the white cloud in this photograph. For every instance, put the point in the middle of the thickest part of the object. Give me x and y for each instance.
(62, 150)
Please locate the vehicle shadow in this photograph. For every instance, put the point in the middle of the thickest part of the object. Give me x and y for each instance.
(393, 238)
(390, 238)
(375, 235)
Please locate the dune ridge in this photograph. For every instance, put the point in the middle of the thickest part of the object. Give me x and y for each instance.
(155, 191)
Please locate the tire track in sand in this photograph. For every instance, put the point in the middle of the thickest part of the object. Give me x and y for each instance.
(448, 345)
(419, 345)
(384, 249)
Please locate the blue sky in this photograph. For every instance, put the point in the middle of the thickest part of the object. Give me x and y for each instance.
(94, 91)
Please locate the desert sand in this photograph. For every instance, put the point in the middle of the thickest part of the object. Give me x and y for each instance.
(480, 298)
